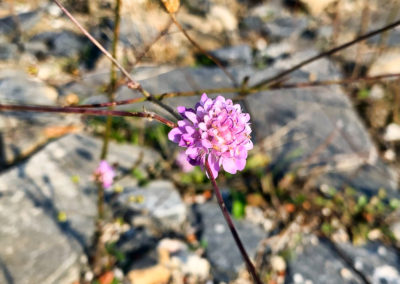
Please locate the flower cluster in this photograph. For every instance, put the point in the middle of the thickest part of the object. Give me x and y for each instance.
(104, 174)
(215, 130)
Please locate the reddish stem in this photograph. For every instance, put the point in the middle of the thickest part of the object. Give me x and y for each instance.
(221, 203)
(88, 111)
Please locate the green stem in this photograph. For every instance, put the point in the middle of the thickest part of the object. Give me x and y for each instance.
(113, 79)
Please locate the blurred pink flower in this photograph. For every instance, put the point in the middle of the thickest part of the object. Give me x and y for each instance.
(104, 174)
(183, 163)
(217, 130)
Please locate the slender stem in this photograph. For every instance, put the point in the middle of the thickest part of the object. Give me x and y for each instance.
(97, 112)
(326, 53)
(113, 79)
(249, 264)
(209, 56)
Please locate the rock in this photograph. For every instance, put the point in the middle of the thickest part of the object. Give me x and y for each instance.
(221, 250)
(64, 43)
(319, 263)
(201, 7)
(387, 63)
(395, 228)
(377, 92)
(8, 51)
(224, 16)
(392, 132)
(283, 28)
(240, 54)
(21, 133)
(278, 264)
(26, 21)
(316, 7)
(373, 259)
(35, 192)
(160, 208)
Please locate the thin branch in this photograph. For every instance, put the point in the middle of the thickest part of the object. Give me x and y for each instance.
(132, 84)
(249, 264)
(148, 47)
(96, 112)
(325, 53)
(209, 56)
(250, 90)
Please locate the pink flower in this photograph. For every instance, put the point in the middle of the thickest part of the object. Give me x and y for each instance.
(215, 130)
(104, 174)
(183, 163)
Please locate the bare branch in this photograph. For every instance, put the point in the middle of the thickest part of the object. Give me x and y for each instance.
(96, 112)
(325, 53)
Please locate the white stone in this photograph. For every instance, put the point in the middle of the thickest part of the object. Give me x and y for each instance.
(386, 274)
(377, 92)
(346, 274)
(317, 6)
(392, 132)
(298, 278)
(390, 155)
(278, 263)
(224, 16)
(197, 266)
(386, 64)
(395, 228)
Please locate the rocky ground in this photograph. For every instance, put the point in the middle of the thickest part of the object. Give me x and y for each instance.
(317, 203)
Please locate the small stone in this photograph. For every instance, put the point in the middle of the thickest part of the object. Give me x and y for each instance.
(197, 266)
(390, 155)
(219, 228)
(346, 274)
(89, 276)
(377, 92)
(172, 245)
(278, 263)
(358, 264)
(374, 234)
(386, 274)
(395, 228)
(298, 278)
(392, 133)
(225, 17)
(382, 251)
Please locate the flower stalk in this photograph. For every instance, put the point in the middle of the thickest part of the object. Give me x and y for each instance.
(228, 219)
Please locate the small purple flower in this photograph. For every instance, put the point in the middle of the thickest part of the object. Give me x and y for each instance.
(104, 174)
(217, 130)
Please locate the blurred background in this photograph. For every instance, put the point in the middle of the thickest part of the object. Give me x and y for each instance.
(318, 201)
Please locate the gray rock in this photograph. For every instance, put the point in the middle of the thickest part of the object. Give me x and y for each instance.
(235, 55)
(319, 263)
(26, 21)
(8, 51)
(201, 7)
(160, 208)
(221, 250)
(371, 258)
(36, 247)
(21, 133)
(63, 43)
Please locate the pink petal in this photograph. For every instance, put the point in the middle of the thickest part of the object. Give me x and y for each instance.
(175, 135)
(229, 165)
(213, 161)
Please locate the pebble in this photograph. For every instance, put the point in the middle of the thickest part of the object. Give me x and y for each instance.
(298, 278)
(392, 133)
(278, 263)
(346, 274)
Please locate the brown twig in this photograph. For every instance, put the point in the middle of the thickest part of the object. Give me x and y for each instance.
(249, 264)
(324, 54)
(209, 56)
(96, 112)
